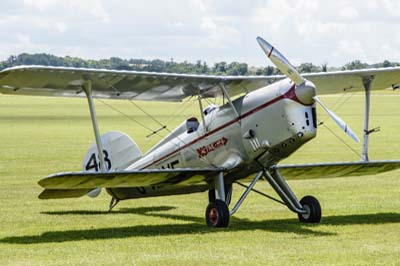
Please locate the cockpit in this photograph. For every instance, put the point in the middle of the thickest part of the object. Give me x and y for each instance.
(192, 124)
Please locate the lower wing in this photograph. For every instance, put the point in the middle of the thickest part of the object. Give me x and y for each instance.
(76, 184)
(336, 169)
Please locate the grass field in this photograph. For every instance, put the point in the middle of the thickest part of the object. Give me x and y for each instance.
(39, 136)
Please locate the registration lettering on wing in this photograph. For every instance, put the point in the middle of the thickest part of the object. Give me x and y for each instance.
(205, 150)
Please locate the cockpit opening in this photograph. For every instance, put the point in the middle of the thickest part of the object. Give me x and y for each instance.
(192, 124)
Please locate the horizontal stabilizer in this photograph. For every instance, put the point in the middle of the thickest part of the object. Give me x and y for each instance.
(121, 179)
(336, 169)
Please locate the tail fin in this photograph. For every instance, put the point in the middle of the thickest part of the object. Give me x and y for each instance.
(119, 151)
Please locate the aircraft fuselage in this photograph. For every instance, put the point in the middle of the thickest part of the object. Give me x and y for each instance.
(272, 123)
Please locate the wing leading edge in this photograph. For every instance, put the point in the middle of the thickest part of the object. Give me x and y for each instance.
(115, 84)
(150, 86)
(336, 169)
(76, 184)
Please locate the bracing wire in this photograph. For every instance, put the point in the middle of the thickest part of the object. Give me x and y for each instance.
(154, 119)
(339, 105)
(137, 106)
(180, 110)
(133, 119)
(336, 106)
(146, 113)
(341, 140)
(126, 115)
(339, 99)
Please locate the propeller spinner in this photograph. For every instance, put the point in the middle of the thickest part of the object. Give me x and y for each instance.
(291, 72)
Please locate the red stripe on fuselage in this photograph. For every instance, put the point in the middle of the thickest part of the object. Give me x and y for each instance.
(223, 126)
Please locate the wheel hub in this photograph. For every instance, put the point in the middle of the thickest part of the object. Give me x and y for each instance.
(213, 216)
(308, 212)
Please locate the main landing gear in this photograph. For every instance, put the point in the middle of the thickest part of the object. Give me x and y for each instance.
(217, 212)
(312, 208)
(308, 208)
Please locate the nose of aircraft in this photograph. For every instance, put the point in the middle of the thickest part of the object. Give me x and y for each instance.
(306, 92)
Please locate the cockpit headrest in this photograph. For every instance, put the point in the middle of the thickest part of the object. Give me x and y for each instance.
(209, 109)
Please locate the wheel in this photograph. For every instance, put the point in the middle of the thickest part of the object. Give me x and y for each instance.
(217, 214)
(228, 194)
(311, 205)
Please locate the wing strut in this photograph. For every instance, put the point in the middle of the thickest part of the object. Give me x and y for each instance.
(202, 113)
(367, 81)
(87, 87)
(225, 93)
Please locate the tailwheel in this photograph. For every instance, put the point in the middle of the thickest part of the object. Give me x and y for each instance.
(217, 214)
(313, 208)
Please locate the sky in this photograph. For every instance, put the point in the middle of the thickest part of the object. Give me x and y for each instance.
(332, 32)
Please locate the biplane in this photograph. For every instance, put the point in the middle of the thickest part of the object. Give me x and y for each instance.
(263, 120)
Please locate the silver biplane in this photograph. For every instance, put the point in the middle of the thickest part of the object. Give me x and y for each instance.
(265, 119)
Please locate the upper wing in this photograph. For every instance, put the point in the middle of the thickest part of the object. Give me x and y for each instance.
(114, 84)
(340, 81)
(137, 85)
(338, 169)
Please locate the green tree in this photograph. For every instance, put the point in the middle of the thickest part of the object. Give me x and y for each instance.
(324, 67)
(237, 69)
(356, 64)
(308, 68)
(220, 68)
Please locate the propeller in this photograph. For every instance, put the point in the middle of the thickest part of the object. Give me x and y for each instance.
(290, 71)
(338, 120)
(281, 62)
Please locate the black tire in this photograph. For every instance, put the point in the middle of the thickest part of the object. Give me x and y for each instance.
(228, 194)
(313, 207)
(211, 195)
(217, 214)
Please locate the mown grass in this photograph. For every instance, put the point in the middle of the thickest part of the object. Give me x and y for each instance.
(39, 136)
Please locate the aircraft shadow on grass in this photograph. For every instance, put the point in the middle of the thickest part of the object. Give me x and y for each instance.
(195, 225)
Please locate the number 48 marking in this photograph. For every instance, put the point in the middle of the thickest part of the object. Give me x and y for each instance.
(93, 164)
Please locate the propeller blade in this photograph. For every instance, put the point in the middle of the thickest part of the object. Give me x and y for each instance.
(280, 62)
(338, 120)
(94, 193)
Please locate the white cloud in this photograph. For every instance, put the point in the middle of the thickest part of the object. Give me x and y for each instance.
(40, 5)
(349, 13)
(73, 8)
(213, 30)
(47, 24)
(351, 49)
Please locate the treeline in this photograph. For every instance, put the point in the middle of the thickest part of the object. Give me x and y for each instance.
(199, 67)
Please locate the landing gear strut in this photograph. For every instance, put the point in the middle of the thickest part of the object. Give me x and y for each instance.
(228, 194)
(308, 208)
(217, 212)
(113, 203)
